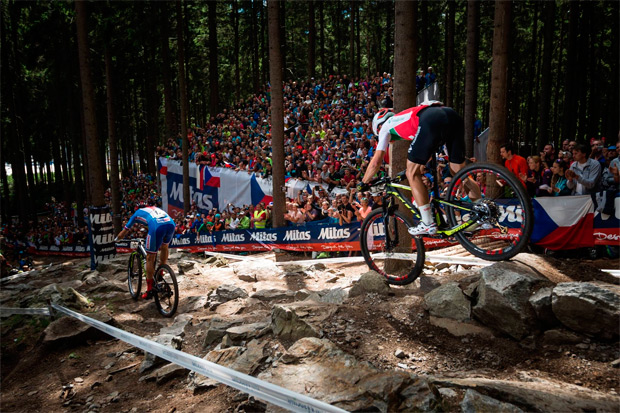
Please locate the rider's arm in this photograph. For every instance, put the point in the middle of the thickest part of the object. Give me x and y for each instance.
(373, 166)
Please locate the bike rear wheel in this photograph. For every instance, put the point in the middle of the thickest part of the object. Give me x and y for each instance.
(391, 256)
(166, 291)
(134, 275)
(504, 215)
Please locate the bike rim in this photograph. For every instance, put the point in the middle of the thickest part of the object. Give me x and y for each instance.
(398, 261)
(165, 291)
(504, 226)
(135, 274)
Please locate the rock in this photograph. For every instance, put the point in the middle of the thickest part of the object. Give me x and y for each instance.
(399, 354)
(474, 402)
(333, 296)
(503, 298)
(78, 380)
(193, 303)
(538, 396)
(217, 330)
(460, 328)
(248, 278)
(427, 284)
(370, 282)
(178, 326)
(302, 319)
(328, 373)
(615, 364)
(274, 295)
(108, 286)
(165, 373)
(258, 269)
(151, 360)
(68, 330)
(448, 301)
(248, 331)
(71, 296)
(541, 303)
(447, 393)
(93, 278)
(559, 337)
(185, 265)
(588, 307)
(224, 293)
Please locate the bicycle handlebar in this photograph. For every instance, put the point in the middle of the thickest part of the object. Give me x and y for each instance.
(387, 179)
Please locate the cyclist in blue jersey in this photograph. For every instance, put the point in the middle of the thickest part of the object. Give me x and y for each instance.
(161, 229)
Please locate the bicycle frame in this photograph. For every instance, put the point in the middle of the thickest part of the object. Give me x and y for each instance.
(443, 229)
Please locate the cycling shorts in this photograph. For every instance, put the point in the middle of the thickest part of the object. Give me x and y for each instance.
(158, 235)
(438, 125)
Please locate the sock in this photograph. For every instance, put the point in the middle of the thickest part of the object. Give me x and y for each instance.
(149, 284)
(425, 212)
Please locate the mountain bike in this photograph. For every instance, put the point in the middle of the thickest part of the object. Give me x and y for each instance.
(495, 227)
(165, 287)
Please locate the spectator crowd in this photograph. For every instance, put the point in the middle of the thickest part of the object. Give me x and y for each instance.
(328, 142)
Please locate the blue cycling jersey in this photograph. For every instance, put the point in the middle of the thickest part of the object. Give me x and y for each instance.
(151, 216)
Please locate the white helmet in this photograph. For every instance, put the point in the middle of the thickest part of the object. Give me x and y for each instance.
(381, 116)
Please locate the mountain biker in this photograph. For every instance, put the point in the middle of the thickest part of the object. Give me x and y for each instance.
(427, 126)
(161, 229)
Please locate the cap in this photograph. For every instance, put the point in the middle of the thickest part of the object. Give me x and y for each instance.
(217, 215)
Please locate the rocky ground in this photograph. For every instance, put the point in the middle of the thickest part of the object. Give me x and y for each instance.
(536, 334)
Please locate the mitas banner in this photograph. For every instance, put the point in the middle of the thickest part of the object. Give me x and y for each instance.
(101, 235)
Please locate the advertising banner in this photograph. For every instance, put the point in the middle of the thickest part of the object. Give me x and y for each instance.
(101, 235)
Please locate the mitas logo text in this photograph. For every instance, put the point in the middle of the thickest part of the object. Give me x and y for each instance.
(233, 238)
(263, 237)
(296, 235)
(334, 233)
(180, 241)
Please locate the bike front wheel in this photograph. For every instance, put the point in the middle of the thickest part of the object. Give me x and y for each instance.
(166, 291)
(134, 275)
(388, 248)
(503, 215)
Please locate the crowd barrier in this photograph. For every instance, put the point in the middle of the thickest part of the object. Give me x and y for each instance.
(271, 393)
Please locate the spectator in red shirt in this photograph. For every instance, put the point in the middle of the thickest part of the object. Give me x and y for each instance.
(515, 163)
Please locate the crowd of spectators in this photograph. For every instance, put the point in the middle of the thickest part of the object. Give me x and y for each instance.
(328, 142)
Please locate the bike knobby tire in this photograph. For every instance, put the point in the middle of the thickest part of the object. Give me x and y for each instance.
(134, 275)
(506, 204)
(166, 291)
(393, 257)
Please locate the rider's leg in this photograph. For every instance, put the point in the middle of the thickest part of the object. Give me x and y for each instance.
(419, 191)
(150, 272)
(163, 254)
(470, 185)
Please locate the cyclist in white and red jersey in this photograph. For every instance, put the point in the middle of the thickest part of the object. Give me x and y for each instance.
(427, 126)
(161, 229)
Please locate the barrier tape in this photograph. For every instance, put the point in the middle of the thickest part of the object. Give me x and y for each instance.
(268, 392)
(6, 311)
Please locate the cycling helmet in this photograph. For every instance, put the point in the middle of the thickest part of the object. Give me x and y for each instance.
(381, 116)
(141, 205)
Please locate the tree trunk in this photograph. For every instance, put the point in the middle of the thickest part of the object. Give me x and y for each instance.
(283, 48)
(277, 113)
(311, 40)
(235, 22)
(544, 103)
(450, 53)
(322, 39)
(214, 101)
(424, 33)
(255, 64)
(184, 103)
(114, 180)
(352, 6)
(499, 74)
(571, 82)
(172, 127)
(471, 75)
(88, 100)
(152, 112)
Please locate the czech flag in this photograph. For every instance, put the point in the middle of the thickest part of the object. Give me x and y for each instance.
(563, 222)
(229, 165)
(208, 178)
(162, 165)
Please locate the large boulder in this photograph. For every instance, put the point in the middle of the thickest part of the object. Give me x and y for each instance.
(337, 378)
(474, 402)
(301, 319)
(448, 301)
(588, 307)
(503, 303)
(223, 294)
(370, 282)
(71, 331)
